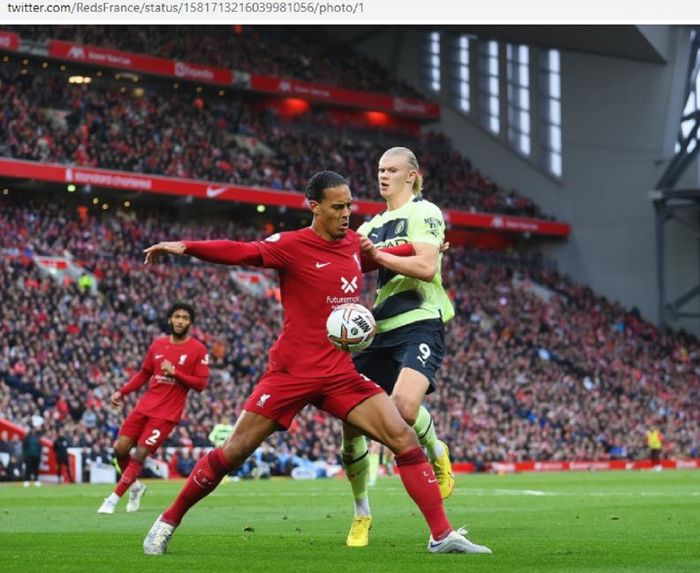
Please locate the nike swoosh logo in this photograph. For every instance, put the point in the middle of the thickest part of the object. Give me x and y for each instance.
(434, 545)
(215, 191)
(159, 356)
(321, 265)
(432, 481)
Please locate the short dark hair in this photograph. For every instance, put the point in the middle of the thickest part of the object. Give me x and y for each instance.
(181, 305)
(321, 181)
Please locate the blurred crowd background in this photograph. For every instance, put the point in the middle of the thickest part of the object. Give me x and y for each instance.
(537, 367)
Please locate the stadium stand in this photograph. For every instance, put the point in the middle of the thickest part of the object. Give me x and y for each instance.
(149, 130)
(304, 52)
(537, 367)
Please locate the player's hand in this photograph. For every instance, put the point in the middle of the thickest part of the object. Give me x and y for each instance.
(168, 367)
(163, 248)
(367, 247)
(116, 399)
(444, 247)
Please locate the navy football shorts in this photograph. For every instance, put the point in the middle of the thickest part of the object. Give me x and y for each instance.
(420, 346)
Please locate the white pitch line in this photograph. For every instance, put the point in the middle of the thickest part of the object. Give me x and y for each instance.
(477, 492)
(643, 493)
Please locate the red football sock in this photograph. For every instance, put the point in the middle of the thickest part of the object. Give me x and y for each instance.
(419, 480)
(204, 478)
(123, 462)
(131, 473)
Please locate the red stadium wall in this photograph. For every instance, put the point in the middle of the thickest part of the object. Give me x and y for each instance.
(290, 108)
(9, 41)
(284, 87)
(227, 192)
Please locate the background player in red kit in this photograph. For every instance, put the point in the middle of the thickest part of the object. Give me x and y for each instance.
(173, 366)
(319, 268)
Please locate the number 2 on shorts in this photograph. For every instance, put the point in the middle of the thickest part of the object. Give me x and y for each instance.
(152, 440)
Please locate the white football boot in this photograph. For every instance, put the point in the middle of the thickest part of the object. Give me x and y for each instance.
(107, 507)
(135, 494)
(456, 542)
(158, 537)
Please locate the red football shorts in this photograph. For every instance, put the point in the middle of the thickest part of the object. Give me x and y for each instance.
(147, 431)
(279, 396)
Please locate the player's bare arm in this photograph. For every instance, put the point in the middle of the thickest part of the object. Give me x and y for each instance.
(368, 253)
(423, 265)
(163, 248)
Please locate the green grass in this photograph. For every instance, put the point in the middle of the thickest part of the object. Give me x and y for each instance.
(569, 522)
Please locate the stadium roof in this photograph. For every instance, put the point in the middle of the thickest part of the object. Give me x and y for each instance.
(643, 43)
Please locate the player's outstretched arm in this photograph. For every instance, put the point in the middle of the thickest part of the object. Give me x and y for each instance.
(225, 252)
(221, 252)
(164, 248)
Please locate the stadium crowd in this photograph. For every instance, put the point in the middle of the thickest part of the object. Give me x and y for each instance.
(542, 368)
(537, 367)
(305, 53)
(66, 351)
(219, 139)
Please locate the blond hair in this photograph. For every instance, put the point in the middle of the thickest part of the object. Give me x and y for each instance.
(413, 163)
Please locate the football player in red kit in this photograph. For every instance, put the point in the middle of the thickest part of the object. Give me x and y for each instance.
(173, 366)
(319, 267)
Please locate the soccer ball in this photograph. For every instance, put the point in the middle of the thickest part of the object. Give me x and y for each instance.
(351, 327)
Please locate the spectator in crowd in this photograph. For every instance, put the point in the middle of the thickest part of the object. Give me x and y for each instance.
(266, 460)
(12, 471)
(655, 444)
(31, 456)
(5, 446)
(185, 462)
(16, 448)
(96, 455)
(60, 448)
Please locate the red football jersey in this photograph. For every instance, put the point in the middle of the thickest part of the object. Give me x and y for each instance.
(165, 397)
(315, 276)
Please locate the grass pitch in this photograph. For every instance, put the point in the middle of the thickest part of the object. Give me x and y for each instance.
(569, 522)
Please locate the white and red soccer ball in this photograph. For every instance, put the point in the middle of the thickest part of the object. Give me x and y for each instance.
(351, 327)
